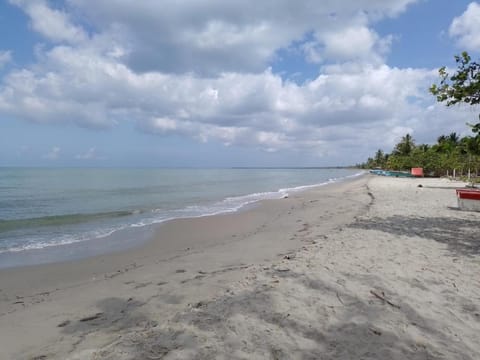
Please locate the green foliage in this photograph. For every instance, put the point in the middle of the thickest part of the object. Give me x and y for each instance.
(405, 146)
(461, 87)
(378, 161)
(449, 153)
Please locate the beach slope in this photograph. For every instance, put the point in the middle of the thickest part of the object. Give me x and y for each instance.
(372, 268)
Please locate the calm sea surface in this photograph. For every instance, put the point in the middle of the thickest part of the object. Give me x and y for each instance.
(50, 208)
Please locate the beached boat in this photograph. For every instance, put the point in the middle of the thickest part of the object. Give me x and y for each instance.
(468, 199)
(398, 173)
(390, 173)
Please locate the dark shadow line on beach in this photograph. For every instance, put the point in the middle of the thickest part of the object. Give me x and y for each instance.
(461, 236)
(444, 187)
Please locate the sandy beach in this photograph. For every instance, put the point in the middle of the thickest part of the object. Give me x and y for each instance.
(370, 268)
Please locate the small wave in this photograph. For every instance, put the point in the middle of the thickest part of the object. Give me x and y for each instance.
(39, 245)
(65, 240)
(150, 216)
(227, 205)
(58, 220)
(304, 187)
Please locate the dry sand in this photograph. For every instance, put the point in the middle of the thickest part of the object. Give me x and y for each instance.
(375, 268)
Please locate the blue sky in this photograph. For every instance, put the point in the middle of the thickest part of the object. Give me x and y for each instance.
(207, 83)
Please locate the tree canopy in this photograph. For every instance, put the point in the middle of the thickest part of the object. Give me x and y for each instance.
(449, 153)
(461, 87)
(405, 146)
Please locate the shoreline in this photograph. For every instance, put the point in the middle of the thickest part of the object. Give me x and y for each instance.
(156, 244)
(209, 252)
(291, 278)
(121, 240)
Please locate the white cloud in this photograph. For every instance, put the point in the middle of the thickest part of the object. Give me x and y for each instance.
(51, 23)
(354, 43)
(260, 110)
(350, 42)
(200, 69)
(53, 154)
(90, 154)
(164, 124)
(466, 28)
(5, 57)
(210, 37)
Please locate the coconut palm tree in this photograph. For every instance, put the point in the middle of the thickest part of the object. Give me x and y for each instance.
(405, 146)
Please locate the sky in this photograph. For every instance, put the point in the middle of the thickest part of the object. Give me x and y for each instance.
(215, 83)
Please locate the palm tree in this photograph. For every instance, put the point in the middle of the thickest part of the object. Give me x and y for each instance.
(405, 146)
(424, 148)
(453, 138)
(441, 139)
(446, 143)
(380, 159)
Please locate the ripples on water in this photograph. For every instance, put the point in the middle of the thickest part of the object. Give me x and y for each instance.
(50, 207)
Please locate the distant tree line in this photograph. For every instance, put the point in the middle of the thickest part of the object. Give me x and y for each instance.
(449, 153)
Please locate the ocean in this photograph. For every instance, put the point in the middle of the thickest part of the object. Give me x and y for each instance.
(55, 214)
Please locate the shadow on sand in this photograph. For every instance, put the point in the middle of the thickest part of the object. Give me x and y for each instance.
(112, 314)
(250, 325)
(461, 236)
(325, 320)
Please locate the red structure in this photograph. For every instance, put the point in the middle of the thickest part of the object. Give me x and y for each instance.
(468, 199)
(418, 172)
(471, 194)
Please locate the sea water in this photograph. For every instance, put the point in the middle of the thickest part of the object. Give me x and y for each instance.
(51, 208)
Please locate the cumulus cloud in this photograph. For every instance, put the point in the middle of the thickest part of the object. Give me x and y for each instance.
(466, 28)
(90, 154)
(352, 43)
(209, 37)
(200, 69)
(234, 107)
(53, 154)
(54, 24)
(5, 57)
